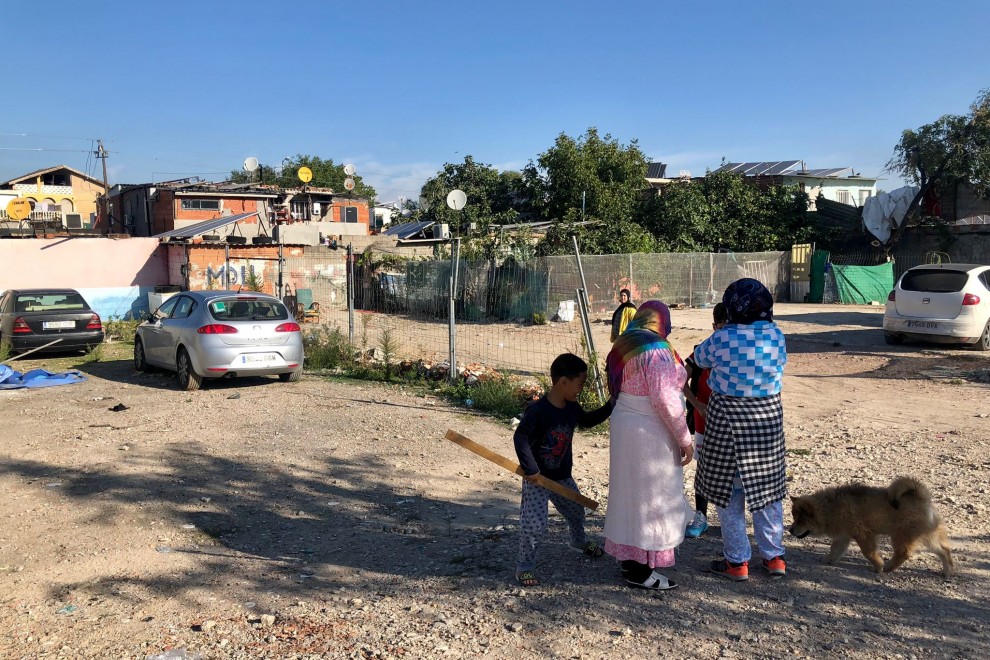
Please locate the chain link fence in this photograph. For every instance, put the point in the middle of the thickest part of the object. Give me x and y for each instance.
(515, 316)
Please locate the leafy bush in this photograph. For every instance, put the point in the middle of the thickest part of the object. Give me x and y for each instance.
(118, 329)
(5, 351)
(327, 348)
(501, 396)
(95, 354)
(539, 318)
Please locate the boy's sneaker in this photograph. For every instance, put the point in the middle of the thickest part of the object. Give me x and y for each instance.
(697, 526)
(735, 572)
(775, 567)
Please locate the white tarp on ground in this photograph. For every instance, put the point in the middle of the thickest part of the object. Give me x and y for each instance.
(885, 211)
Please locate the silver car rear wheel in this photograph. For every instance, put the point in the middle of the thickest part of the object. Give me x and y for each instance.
(189, 380)
(140, 361)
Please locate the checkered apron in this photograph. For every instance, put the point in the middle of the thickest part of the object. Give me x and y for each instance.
(744, 434)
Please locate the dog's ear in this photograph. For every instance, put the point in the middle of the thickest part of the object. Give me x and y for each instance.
(793, 499)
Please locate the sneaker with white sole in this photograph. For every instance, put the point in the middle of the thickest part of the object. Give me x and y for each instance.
(697, 527)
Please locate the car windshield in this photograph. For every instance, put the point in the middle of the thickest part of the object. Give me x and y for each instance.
(247, 309)
(50, 302)
(934, 280)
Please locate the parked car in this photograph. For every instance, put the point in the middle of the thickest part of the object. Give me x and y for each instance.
(943, 303)
(220, 334)
(30, 318)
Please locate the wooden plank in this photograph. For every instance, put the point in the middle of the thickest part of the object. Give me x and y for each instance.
(514, 467)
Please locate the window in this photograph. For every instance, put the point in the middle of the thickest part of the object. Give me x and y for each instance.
(934, 280)
(165, 310)
(985, 278)
(184, 307)
(200, 204)
(248, 309)
(842, 196)
(55, 179)
(863, 196)
(49, 302)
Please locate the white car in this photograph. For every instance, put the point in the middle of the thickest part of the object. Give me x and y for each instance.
(941, 303)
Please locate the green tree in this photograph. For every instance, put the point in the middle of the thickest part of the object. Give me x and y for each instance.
(723, 211)
(952, 149)
(492, 196)
(326, 174)
(610, 175)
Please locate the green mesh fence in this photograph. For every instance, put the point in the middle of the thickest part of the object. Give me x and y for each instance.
(863, 284)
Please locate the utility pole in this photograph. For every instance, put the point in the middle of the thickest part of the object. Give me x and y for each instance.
(102, 154)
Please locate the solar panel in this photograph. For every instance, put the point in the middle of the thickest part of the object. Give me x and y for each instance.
(656, 171)
(407, 229)
(203, 227)
(763, 168)
(825, 172)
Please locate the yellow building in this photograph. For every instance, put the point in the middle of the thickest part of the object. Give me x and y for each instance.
(57, 190)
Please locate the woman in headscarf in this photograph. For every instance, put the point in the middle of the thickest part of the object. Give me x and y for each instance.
(743, 461)
(649, 445)
(623, 314)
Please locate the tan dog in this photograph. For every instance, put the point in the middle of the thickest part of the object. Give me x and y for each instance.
(855, 512)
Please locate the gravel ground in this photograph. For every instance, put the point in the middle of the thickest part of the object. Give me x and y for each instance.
(259, 519)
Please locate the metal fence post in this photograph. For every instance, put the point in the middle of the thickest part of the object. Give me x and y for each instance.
(590, 342)
(455, 255)
(226, 266)
(350, 293)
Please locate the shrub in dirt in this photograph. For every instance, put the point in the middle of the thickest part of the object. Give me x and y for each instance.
(95, 354)
(5, 351)
(327, 348)
(539, 318)
(118, 329)
(502, 396)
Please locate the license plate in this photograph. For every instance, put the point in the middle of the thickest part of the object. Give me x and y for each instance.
(922, 324)
(254, 358)
(58, 325)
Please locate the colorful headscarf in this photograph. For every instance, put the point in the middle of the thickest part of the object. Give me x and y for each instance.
(748, 301)
(646, 332)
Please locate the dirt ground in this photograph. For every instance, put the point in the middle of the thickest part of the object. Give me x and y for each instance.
(260, 519)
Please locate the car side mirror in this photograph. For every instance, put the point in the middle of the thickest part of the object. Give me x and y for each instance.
(151, 317)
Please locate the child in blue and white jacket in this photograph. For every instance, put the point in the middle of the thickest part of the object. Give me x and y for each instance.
(743, 464)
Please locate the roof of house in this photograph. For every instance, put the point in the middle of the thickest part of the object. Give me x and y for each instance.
(37, 173)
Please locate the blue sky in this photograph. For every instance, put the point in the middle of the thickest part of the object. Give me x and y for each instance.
(399, 88)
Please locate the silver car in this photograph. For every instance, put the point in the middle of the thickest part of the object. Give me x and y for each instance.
(220, 334)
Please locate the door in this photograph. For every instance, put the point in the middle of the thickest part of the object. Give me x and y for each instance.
(172, 327)
(151, 333)
(931, 293)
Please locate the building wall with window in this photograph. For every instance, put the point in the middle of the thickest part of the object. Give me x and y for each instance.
(853, 191)
(59, 190)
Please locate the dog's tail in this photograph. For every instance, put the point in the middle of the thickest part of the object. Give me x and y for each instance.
(907, 487)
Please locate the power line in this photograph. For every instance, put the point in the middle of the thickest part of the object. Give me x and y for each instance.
(52, 137)
(76, 151)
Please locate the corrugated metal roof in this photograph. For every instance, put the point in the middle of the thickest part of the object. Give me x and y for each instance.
(407, 229)
(202, 227)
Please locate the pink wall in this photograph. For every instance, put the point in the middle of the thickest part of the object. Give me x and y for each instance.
(81, 263)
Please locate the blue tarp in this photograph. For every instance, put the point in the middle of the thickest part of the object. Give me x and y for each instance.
(13, 380)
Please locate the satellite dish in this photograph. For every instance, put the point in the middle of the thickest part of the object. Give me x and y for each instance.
(349, 183)
(456, 199)
(424, 203)
(305, 174)
(349, 170)
(250, 164)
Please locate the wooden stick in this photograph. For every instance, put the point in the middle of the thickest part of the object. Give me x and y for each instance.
(18, 357)
(512, 466)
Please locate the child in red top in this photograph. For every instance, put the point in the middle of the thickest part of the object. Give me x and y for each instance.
(697, 392)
